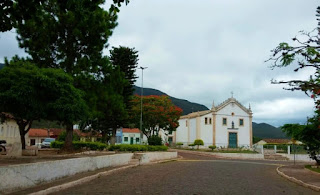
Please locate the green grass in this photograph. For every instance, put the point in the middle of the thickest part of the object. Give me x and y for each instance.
(312, 169)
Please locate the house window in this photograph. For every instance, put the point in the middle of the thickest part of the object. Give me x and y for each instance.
(232, 114)
(137, 140)
(206, 120)
(210, 121)
(241, 122)
(224, 121)
(170, 139)
(125, 139)
(186, 123)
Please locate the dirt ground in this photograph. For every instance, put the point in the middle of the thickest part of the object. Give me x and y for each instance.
(48, 155)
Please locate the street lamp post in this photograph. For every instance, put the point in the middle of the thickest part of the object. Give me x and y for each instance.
(141, 135)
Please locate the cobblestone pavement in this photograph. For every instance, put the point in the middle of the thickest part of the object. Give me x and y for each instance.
(194, 175)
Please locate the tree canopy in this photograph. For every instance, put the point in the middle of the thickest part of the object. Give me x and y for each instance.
(158, 113)
(303, 53)
(30, 93)
(66, 35)
(127, 60)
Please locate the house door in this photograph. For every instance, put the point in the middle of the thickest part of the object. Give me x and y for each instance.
(131, 140)
(233, 140)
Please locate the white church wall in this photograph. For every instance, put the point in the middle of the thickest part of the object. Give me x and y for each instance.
(222, 131)
(182, 131)
(206, 130)
(193, 129)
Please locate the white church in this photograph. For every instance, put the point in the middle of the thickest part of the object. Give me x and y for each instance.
(227, 125)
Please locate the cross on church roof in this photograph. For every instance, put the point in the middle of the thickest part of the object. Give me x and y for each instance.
(231, 94)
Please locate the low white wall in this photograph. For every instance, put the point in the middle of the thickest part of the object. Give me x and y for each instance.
(298, 157)
(228, 155)
(240, 155)
(27, 175)
(156, 156)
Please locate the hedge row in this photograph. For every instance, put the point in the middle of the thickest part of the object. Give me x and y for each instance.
(79, 145)
(101, 146)
(132, 148)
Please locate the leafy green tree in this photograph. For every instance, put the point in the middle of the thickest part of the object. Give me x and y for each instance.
(304, 53)
(308, 134)
(127, 60)
(68, 35)
(30, 93)
(158, 113)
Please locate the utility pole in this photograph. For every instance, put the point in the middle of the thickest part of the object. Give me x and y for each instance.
(141, 134)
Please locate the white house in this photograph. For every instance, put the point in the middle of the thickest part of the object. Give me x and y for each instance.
(226, 125)
(9, 131)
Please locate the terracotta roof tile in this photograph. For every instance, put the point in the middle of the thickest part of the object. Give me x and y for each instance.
(127, 130)
(38, 133)
(276, 141)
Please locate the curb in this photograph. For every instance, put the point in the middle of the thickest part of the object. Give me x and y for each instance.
(79, 181)
(299, 182)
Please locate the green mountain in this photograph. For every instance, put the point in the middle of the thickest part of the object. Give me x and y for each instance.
(264, 130)
(185, 105)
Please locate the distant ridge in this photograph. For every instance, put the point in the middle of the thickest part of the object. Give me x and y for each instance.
(185, 105)
(264, 130)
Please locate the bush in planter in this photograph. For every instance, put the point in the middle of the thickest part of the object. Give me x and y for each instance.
(191, 145)
(212, 147)
(179, 144)
(155, 140)
(198, 142)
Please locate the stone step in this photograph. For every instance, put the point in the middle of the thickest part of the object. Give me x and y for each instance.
(134, 161)
(275, 157)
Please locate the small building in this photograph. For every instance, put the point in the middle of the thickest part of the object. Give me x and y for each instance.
(91, 136)
(131, 136)
(36, 136)
(227, 125)
(276, 142)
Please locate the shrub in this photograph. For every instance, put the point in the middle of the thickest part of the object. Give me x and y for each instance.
(155, 140)
(135, 147)
(192, 145)
(198, 142)
(80, 145)
(56, 144)
(212, 147)
(179, 144)
(63, 134)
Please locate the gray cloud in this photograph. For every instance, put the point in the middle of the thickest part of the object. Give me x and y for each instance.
(203, 50)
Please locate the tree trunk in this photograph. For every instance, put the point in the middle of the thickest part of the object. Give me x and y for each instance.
(103, 137)
(113, 137)
(69, 134)
(22, 138)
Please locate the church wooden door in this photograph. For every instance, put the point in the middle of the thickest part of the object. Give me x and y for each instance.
(233, 140)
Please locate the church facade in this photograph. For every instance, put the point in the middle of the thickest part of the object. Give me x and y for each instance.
(228, 125)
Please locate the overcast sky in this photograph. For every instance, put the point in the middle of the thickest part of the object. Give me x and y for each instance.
(203, 50)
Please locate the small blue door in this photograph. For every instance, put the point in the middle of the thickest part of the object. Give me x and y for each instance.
(233, 140)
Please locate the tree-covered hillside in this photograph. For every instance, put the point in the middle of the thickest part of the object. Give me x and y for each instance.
(264, 130)
(185, 105)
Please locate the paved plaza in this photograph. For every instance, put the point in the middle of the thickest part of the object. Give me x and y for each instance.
(195, 174)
